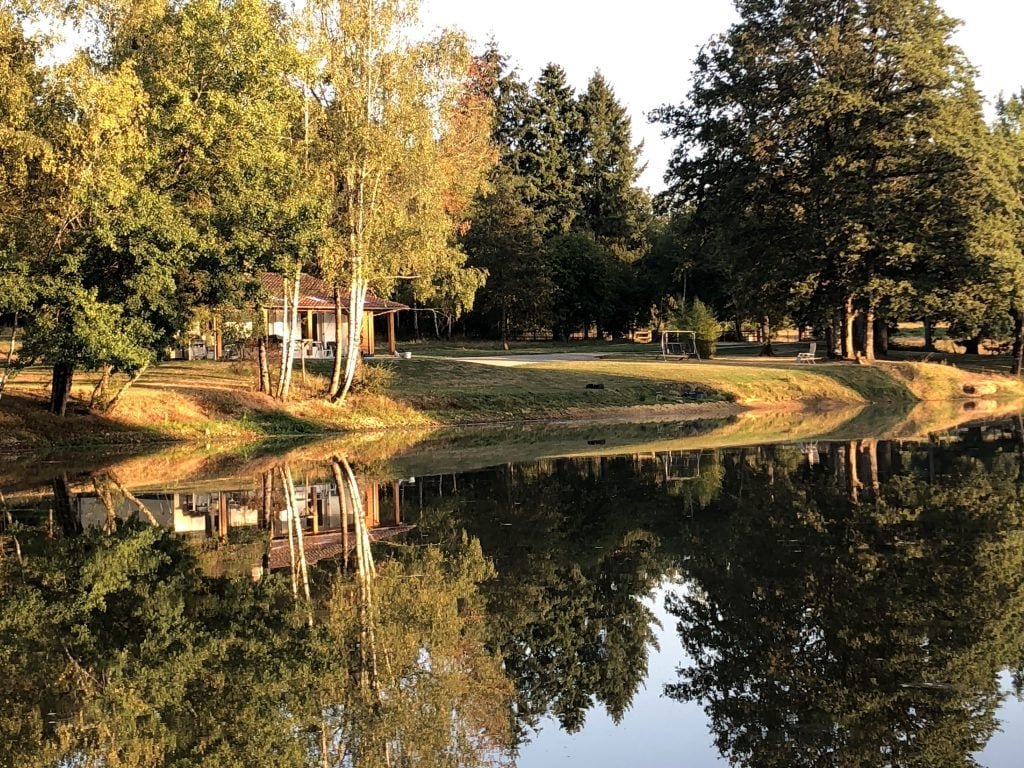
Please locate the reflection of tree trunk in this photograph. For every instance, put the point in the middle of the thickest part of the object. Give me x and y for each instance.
(102, 487)
(294, 522)
(267, 499)
(870, 449)
(132, 499)
(1020, 448)
(366, 572)
(69, 522)
(853, 484)
(1018, 340)
(931, 461)
(340, 484)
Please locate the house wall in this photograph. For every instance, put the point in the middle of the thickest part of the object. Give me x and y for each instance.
(323, 328)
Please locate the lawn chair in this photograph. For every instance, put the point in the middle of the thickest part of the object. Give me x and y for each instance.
(809, 355)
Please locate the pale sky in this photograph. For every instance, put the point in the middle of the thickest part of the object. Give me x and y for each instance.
(645, 48)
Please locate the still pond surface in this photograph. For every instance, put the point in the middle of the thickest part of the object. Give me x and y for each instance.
(819, 604)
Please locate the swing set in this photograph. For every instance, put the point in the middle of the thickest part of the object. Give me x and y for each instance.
(679, 345)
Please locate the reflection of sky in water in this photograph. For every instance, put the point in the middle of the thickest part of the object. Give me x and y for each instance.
(658, 731)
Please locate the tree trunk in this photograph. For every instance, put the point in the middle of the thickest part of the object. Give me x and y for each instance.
(929, 335)
(504, 328)
(738, 323)
(60, 387)
(120, 393)
(99, 392)
(357, 300)
(830, 339)
(286, 334)
(69, 521)
(766, 337)
(10, 356)
(849, 317)
(263, 363)
(836, 350)
(1018, 340)
(972, 346)
(881, 337)
(868, 349)
(291, 326)
(339, 344)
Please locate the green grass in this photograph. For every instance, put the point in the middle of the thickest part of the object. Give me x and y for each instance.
(208, 401)
(461, 391)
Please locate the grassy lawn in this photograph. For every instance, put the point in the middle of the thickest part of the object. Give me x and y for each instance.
(215, 402)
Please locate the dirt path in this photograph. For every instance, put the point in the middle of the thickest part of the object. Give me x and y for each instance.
(512, 361)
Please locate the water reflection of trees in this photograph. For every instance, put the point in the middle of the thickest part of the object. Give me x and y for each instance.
(118, 650)
(578, 546)
(855, 613)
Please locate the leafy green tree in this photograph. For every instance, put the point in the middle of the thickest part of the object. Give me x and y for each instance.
(401, 148)
(1008, 132)
(505, 240)
(840, 146)
(226, 121)
(20, 147)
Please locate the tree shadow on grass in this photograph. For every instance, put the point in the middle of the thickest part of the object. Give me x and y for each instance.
(27, 424)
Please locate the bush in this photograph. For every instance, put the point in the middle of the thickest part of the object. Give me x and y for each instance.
(376, 379)
(698, 317)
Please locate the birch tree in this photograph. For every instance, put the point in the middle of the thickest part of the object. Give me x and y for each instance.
(402, 140)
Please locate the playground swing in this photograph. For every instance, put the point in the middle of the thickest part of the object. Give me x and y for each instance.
(679, 344)
(683, 465)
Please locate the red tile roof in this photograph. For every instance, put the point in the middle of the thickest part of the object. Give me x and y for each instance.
(315, 294)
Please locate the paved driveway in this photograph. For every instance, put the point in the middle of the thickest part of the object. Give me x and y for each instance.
(512, 361)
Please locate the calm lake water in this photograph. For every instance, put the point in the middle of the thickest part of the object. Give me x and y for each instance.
(853, 603)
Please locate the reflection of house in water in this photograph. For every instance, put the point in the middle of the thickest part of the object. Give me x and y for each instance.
(226, 510)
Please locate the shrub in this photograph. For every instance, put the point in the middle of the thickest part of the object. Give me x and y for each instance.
(699, 318)
(376, 379)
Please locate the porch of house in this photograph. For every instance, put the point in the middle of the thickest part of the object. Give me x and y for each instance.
(318, 325)
(316, 334)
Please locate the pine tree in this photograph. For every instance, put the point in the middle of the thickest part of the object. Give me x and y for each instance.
(550, 151)
(612, 206)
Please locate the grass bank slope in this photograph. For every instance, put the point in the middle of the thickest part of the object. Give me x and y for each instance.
(214, 402)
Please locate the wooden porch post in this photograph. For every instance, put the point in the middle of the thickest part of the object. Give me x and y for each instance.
(391, 334)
